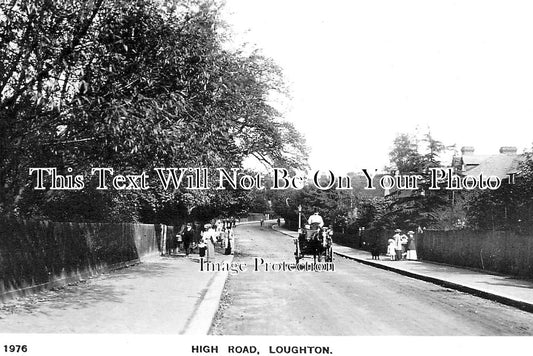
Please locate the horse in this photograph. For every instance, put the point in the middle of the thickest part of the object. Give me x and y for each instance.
(319, 242)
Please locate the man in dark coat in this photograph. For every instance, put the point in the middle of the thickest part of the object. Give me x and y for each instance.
(187, 237)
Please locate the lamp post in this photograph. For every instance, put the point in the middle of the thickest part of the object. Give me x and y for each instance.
(300, 219)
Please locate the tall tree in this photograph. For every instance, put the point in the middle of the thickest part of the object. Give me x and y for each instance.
(130, 85)
(404, 155)
(408, 208)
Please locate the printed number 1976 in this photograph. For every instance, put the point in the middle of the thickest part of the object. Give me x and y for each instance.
(15, 348)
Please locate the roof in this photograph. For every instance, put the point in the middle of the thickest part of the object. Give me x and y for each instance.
(474, 159)
(497, 165)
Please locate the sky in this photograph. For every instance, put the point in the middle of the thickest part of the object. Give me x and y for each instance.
(361, 72)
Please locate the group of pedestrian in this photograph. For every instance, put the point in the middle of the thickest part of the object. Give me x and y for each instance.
(219, 232)
(225, 234)
(401, 246)
(227, 223)
(183, 240)
(203, 237)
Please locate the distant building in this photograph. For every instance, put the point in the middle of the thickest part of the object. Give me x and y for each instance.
(500, 165)
(360, 182)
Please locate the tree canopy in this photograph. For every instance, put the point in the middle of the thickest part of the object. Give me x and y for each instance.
(130, 85)
(508, 208)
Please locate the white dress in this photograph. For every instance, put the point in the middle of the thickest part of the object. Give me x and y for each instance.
(411, 255)
(210, 238)
(391, 248)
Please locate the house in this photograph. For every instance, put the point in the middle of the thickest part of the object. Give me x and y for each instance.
(500, 165)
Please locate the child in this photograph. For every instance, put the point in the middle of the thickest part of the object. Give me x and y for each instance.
(391, 249)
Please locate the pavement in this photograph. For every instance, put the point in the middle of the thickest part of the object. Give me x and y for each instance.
(505, 289)
(160, 295)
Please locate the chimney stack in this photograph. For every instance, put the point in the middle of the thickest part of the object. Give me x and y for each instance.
(508, 150)
(467, 150)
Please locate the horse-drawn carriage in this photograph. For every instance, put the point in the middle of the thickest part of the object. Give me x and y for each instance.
(315, 241)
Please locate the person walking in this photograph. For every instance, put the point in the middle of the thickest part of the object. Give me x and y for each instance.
(209, 239)
(398, 245)
(187, 237)
(411, 246)
(228, 241)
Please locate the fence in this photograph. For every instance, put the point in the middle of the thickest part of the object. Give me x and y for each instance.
(39, 254)
(498, 251)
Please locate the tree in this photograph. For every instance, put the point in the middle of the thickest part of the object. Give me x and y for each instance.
(405, 156)
(509, 207)
(408, 208)
(39, 47)
(131, 85)
(336, 206)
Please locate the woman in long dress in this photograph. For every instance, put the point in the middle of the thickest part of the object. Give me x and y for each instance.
(411, 246)
(209, 239)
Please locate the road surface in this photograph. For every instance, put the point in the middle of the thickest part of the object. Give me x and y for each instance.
(355, 299)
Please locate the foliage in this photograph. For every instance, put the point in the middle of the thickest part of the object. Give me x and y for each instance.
(413, 208)
(337, 207)
(508, 208)
(371, 211)
(404, 155)
(131, 85)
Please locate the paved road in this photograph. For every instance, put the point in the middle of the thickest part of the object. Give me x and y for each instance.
(354, 300)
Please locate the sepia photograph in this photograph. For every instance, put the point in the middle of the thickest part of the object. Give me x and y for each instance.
(266, 177)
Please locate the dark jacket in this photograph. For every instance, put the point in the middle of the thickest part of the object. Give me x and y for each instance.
(188, 235)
